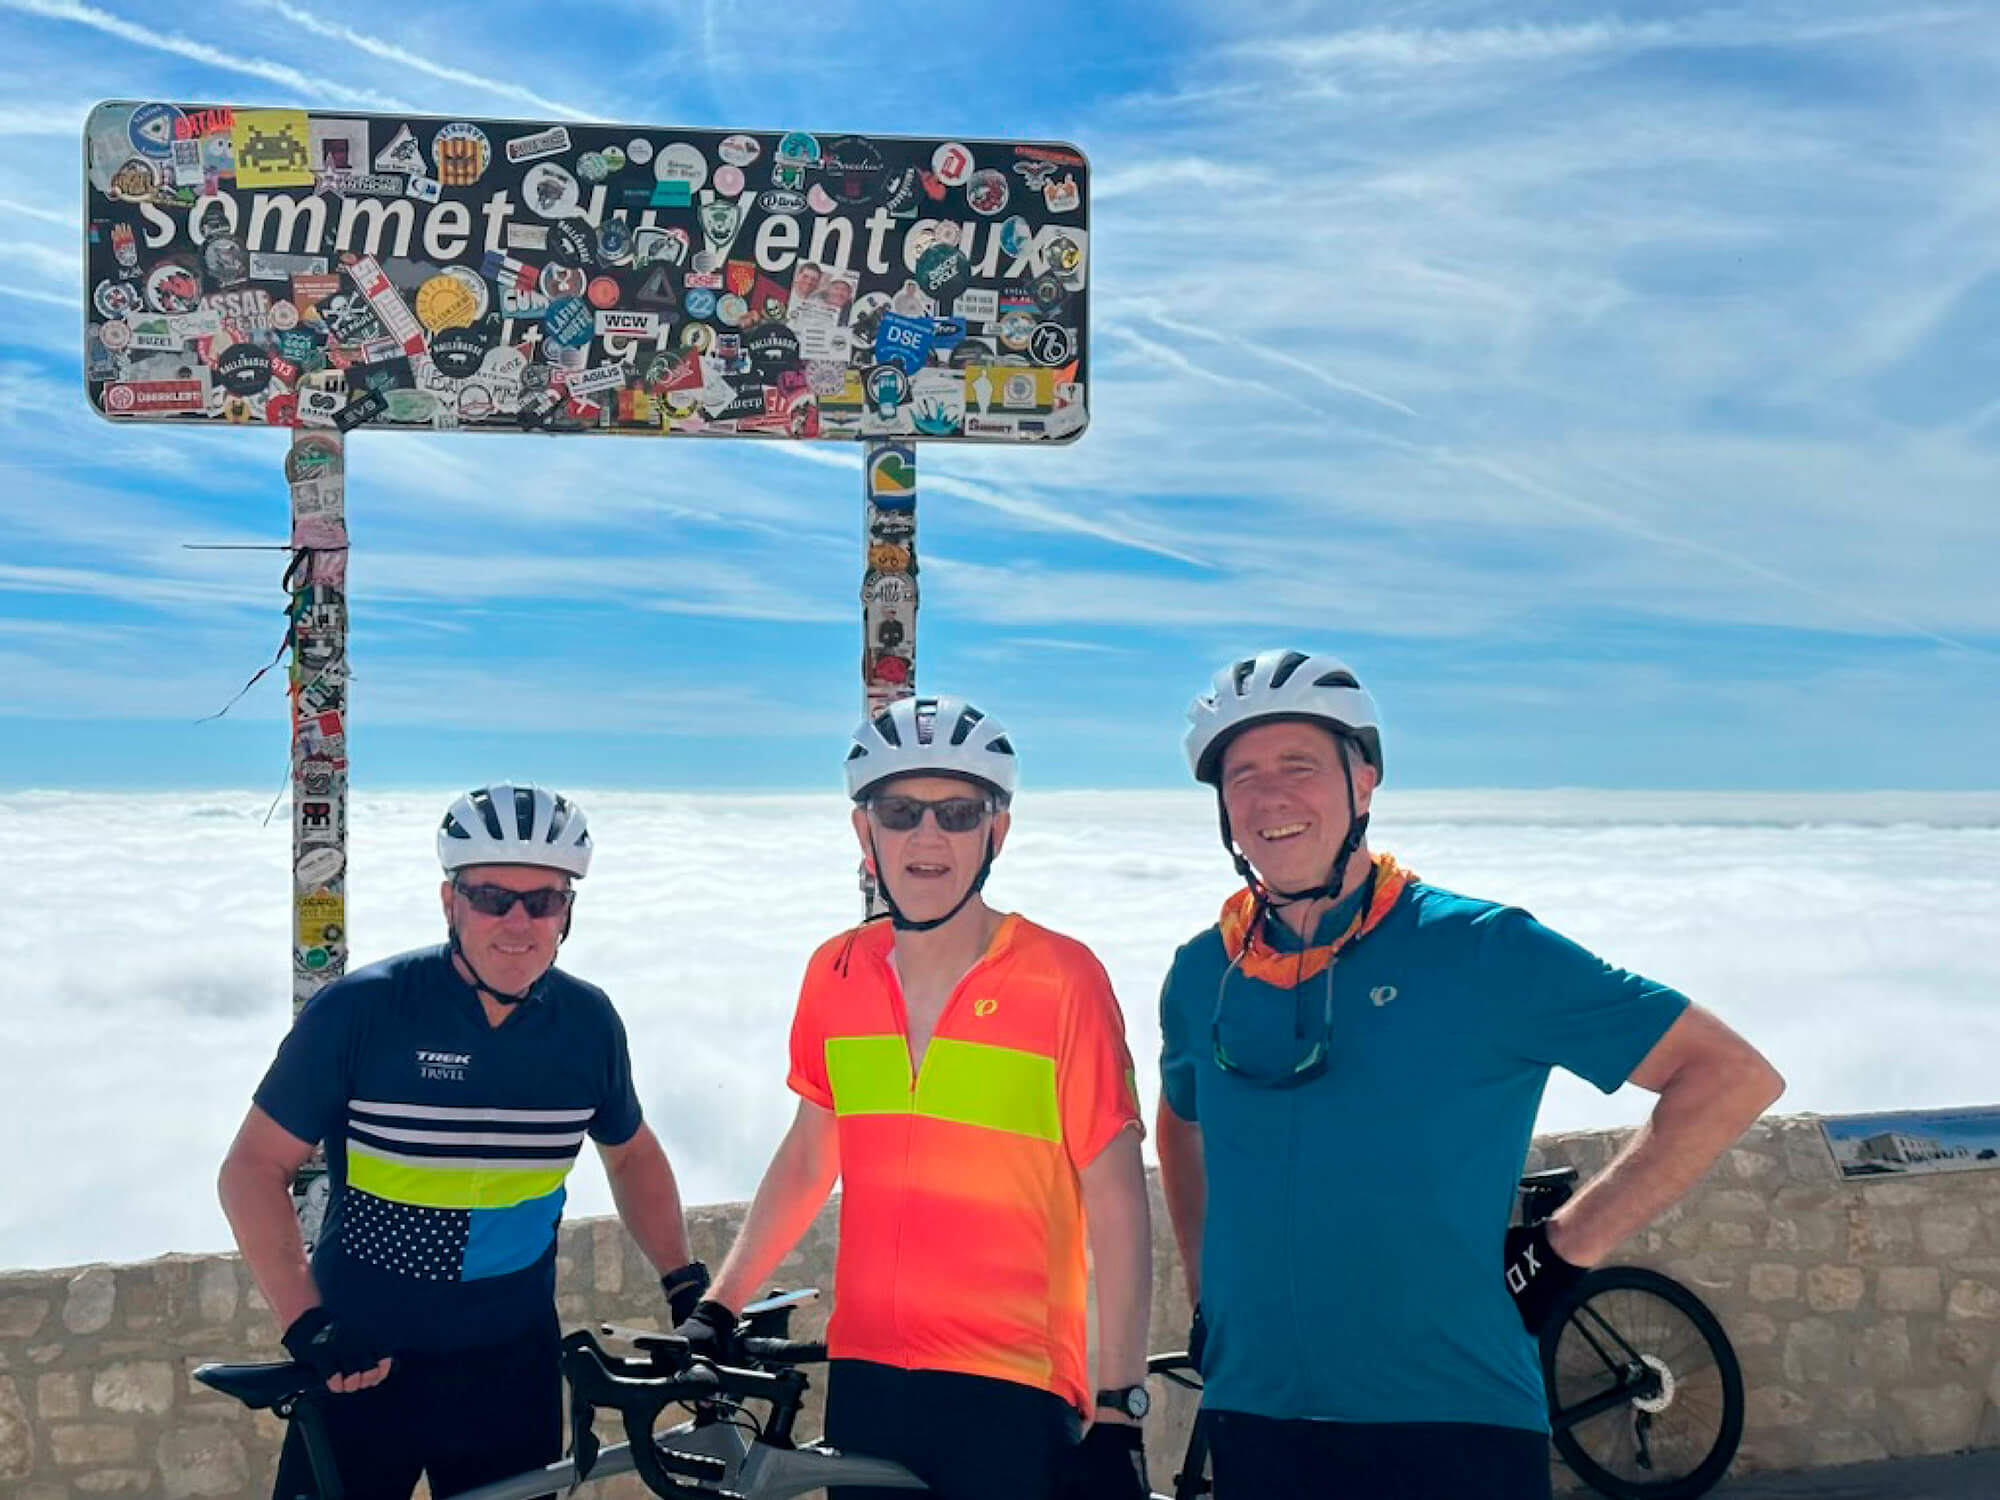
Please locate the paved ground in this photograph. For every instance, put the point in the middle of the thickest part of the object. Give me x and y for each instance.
(1969, 1476)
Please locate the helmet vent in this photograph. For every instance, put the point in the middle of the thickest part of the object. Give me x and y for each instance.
(1293, 660)
(524, 813)
(1240, 673)
(482, 802)
(1337, 679)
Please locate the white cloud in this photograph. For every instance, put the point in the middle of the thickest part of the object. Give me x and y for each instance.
(148, 972)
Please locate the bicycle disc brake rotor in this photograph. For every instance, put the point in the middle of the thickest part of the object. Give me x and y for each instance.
(1654, 1405)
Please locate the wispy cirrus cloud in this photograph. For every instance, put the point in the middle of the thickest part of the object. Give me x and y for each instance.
(302, 83)
(417, 60)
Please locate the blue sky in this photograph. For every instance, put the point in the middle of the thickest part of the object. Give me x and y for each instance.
(1618, 391)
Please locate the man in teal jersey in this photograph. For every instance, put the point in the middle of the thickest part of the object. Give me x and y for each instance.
(1351, 1065)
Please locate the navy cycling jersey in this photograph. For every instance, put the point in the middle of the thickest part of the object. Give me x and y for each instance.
(447, 1143)
(1351, 1256)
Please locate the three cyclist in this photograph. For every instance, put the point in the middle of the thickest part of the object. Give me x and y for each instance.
(1348, 1034)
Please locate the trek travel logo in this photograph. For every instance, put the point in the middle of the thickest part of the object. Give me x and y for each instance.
(447, 1066)
(1382, 994)
(986, 1007)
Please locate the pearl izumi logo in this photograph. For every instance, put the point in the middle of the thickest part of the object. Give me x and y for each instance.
(449, 1066)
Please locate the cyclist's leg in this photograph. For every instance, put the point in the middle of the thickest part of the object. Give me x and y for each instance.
(373, 1440)
(1252, 1457)
(1448, 1460)
(493, 1413)
(866, 1412)
(967, 1436)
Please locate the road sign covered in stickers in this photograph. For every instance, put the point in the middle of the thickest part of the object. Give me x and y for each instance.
(340, 271)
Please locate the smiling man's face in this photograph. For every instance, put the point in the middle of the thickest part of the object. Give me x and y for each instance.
(1287, 800)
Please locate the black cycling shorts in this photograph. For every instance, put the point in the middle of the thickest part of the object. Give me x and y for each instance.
(460, 1419)
(1257, 1458)
(967, 1436)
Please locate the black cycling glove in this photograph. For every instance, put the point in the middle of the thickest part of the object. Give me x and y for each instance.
(315, 1339)
(710, 1331)
(1197, 1345)
(1537, 1277)
(684, 1288)
(1109, 1464)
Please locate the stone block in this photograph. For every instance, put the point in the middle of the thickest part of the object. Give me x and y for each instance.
(59, 1397)
(1875, 1234)
(1752, 1330)
(1751, 1166)
(1776, 1406)
(1734, 1203)
(216, 1291)
(1729, 1234)
(1805, 1232)
(608, 1256)
(1973, 1300)
(1853, 1404)
(202, 1460)
(115, 1482)
(1961, 1347)
(1815, 1353)
(1834, 1288)
(41, 1492)
(1774, 1283)
(1949, 1229)
(78, 1444)
(17, 1435)
(1939, 1419)
(21, 1316)
(1909, 1289)
(1882, 1353)
(145, 1385)
(92, 1295)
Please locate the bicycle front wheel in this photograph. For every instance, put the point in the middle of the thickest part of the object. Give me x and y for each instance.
(1645, 1394)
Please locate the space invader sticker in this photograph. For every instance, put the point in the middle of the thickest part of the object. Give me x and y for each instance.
(273, 148)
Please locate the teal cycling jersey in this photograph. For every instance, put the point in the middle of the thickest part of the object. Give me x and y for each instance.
(1351, 1255)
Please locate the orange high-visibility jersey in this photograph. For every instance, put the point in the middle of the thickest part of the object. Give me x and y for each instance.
(961, 1213)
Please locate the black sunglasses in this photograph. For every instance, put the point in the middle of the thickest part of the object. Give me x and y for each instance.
(498, 900)
(1303, 1070)
(953, 814)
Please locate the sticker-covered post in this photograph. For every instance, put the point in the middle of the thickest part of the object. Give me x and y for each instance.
(316, 470)
(888, 589)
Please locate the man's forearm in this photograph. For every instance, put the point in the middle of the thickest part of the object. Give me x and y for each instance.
(258, 1205)
(1698, 1117)
(1184, 1185)
(1120, 1222)
(649, 1204)
(795, 1186)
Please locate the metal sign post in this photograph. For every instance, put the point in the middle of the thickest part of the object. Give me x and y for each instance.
(888, 591)
(316, 471)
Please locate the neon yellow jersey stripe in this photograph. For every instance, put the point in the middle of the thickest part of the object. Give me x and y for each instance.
(969, 1083)
(450, 1187)
(995, 1088)
(869, 1075)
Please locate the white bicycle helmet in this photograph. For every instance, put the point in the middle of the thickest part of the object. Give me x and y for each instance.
(504, 824)
(1279, 685)
(931, 737)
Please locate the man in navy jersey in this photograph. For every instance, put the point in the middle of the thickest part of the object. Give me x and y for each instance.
(453, 1087)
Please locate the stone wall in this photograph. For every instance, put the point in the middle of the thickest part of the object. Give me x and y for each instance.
(1867, 1316)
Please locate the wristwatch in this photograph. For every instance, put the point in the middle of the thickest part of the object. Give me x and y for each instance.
(1131, 1400)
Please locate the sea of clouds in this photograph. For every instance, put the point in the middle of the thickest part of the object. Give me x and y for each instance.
(144, 958)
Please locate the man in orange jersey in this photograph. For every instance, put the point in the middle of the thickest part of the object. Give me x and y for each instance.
(963, 1072)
